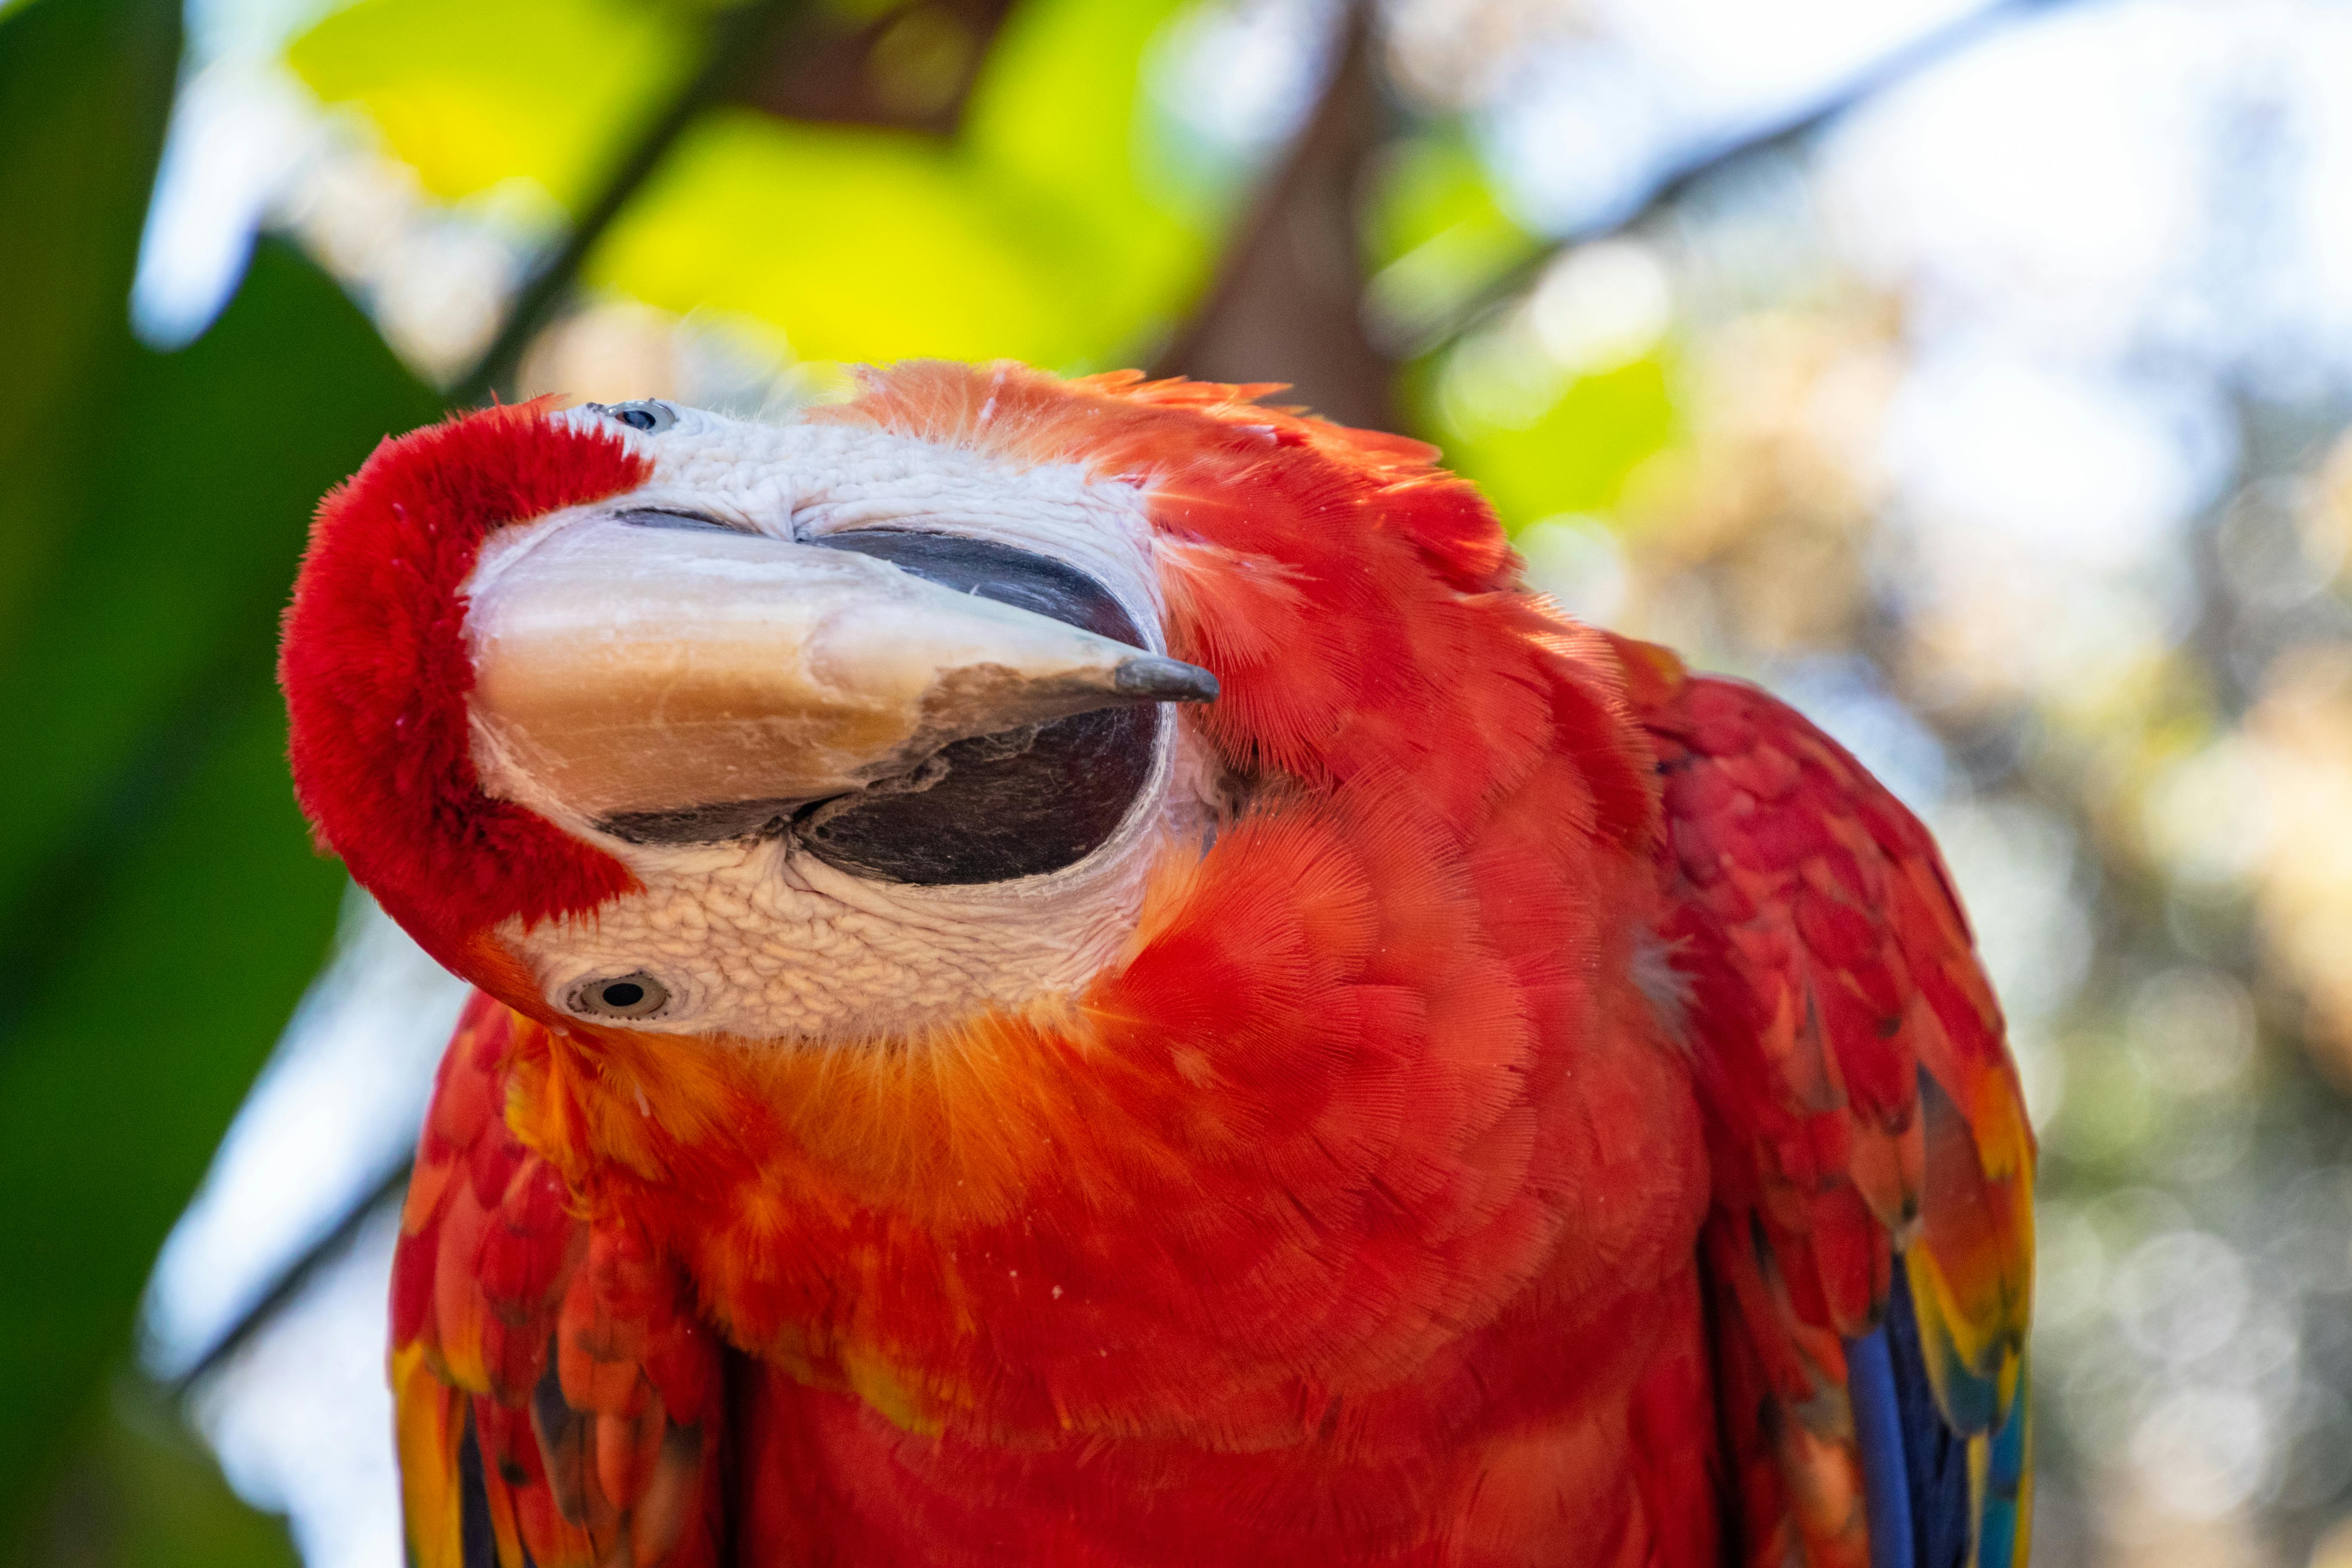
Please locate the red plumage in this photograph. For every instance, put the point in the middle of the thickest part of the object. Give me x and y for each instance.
(1477, 1156)
(375, 672)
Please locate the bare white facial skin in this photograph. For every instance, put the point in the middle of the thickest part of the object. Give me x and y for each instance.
(759, 939)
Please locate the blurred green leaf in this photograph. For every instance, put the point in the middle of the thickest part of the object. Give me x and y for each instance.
(85, 89)
(1430, 186)
(1042, 233)
(195, 509)
(1037, 234)
(163, 901)
(139, 1491)
(1435, 236)
(472, 93)
(1061, 111)
(189, 948)
(1538, 440)
(159, 897)
(858, 245)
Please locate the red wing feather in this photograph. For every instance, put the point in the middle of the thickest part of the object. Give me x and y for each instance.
(1862, 1112)
(556, 1396)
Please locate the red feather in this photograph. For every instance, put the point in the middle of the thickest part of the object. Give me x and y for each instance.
(495, 1277)
(1838, 1018)
(375, 672)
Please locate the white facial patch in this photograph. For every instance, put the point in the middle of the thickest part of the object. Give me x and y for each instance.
(759, 938)
(801, 480)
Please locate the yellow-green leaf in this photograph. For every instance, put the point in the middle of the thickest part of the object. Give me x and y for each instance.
(858, 245)
(1539, 449)
(473, 93)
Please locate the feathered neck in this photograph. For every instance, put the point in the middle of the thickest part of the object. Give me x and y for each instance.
(1338, 1113)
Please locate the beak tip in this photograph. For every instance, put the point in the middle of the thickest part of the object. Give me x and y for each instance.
(1156, 680)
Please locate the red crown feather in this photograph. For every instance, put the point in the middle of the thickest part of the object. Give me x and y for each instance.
(375, 670)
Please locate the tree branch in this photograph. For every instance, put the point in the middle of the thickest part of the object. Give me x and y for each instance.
(1286, 302)
(330, 1244)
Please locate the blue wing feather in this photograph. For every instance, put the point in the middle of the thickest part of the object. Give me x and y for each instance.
(1914, 1466)
(1878, 1436)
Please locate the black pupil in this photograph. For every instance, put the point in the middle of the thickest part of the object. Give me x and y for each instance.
(636, 419)
(623, 993)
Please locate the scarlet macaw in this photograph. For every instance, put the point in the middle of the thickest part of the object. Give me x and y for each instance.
(1075, 973)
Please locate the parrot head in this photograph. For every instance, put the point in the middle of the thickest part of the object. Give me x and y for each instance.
(851, 726)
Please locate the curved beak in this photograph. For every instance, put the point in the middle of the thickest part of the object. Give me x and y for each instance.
(624, 672)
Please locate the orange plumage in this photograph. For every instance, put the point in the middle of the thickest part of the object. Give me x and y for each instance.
(1481, 1149)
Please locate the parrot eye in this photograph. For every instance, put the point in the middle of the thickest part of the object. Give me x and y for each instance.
(648, 417)
(632, 996)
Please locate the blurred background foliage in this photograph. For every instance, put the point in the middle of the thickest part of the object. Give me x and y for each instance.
(1972, 372)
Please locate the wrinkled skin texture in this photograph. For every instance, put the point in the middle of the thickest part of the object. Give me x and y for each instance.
(1481, 1151)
